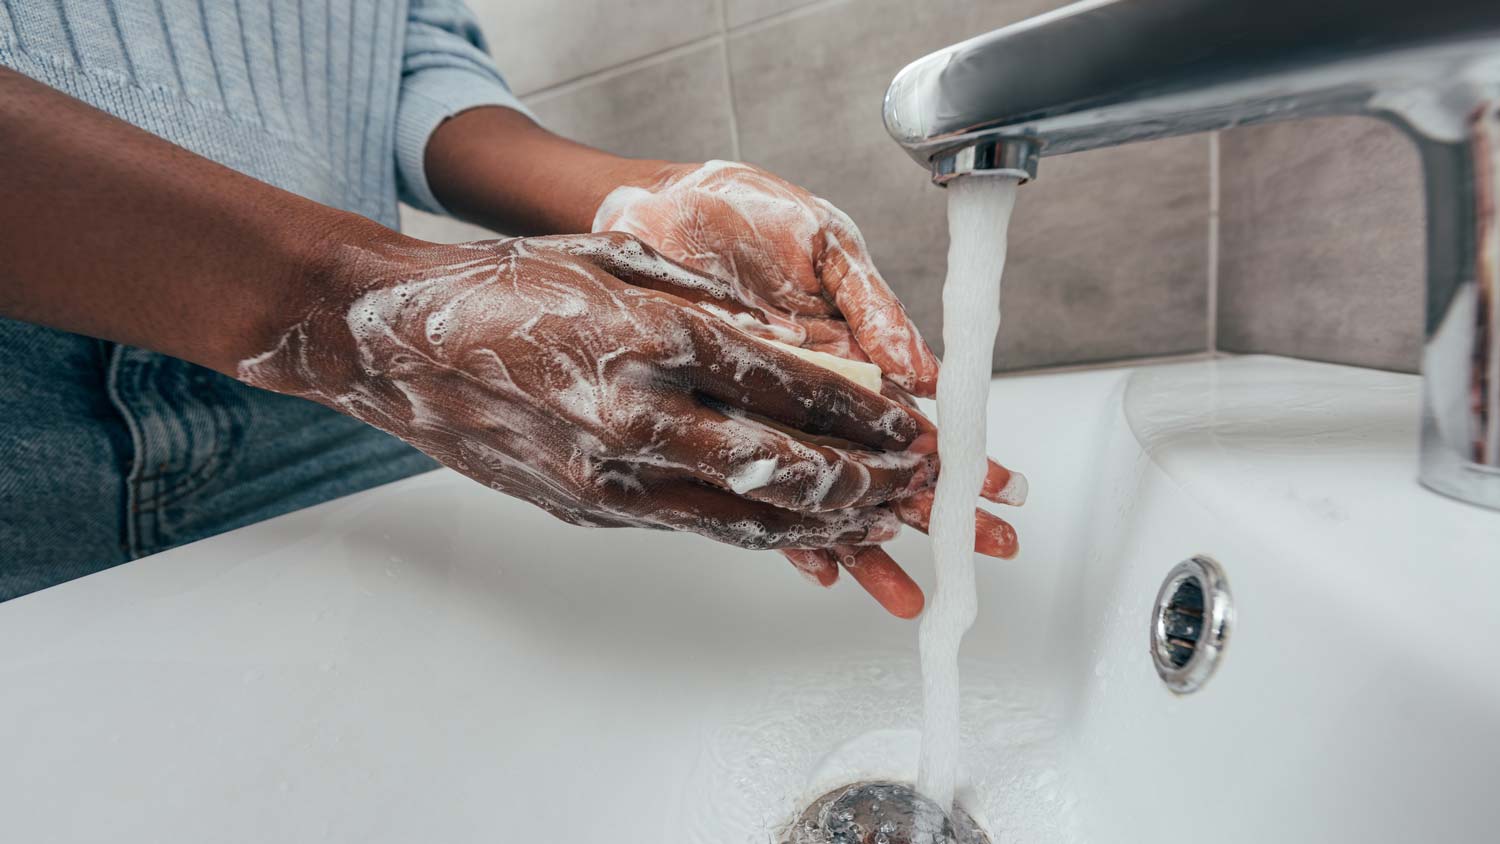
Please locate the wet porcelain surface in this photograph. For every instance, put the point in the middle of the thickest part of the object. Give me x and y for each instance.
(431, 661)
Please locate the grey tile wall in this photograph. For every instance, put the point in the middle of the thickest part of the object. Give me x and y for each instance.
(1320, 229)
(671, 108)
(542, 43)
(737, 13)
(1322, 244)
(1110, 257)
(1108, 249)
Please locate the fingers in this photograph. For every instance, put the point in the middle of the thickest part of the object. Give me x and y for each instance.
(742, 372)
(1001, 485)
(993, 536)
(871, 567)
(629, 259)
(873, 312)
(895, 393)
(1004, 486)
(883, 578)
(729, 451)
(833, 336)
(819, 565)
(725, 517)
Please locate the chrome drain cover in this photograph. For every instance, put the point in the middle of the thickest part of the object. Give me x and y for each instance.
(881, 813)
(1190, 623)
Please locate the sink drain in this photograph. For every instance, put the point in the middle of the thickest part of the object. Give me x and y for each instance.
(1190, 623)
(881, 813)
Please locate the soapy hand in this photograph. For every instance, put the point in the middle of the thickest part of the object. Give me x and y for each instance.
(799, 258)
(796, 254)
(606, 384)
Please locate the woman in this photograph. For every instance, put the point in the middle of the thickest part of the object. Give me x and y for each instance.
(197, 237)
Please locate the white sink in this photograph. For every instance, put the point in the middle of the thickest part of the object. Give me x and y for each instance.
(430, 661)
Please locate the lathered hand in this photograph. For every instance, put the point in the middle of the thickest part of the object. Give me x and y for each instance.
(802, 259)
(609, 385)
(798, 253)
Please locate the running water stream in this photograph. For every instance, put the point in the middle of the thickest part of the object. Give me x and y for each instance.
(979, 209)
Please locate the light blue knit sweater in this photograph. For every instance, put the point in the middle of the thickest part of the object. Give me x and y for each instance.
(331, 99)
(109, 452)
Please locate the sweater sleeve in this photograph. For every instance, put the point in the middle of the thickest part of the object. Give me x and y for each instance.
(445, 69)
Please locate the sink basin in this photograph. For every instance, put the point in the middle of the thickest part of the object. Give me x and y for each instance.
(429, 661)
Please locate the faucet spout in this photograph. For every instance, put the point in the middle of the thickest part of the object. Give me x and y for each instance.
(1102, 73)
(1014, 157)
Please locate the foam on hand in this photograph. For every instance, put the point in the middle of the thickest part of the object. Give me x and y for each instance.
(697, 217)
(864, 374)
(753, 476)
(480, 356)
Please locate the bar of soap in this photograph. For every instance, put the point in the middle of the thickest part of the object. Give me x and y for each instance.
(866, 375)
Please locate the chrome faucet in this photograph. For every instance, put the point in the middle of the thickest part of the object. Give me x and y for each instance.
(1100, 73)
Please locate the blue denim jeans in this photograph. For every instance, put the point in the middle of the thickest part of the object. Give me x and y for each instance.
(108, 453)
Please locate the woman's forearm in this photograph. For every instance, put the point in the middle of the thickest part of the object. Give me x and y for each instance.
(109, 231)
(495, 167)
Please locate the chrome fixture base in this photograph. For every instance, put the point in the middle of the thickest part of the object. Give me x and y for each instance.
(1102, 73)
(883, 812)
(1443, 471)
(1190, 624)
(1013, 157)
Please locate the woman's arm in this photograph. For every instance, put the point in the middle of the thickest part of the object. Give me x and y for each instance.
(109, 231)
(585, 374)
(497, 168)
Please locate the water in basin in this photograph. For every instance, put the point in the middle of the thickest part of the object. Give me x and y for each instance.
(812, 732)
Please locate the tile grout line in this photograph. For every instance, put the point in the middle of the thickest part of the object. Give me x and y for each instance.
(734, 118)
(568, 86)
(1213, 242)
(784, 15)
(604, 74)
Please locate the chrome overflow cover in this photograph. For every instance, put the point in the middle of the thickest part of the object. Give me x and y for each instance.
(1190, 623)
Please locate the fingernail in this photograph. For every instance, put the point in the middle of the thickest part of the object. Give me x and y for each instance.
(812, 566)
(925, 443)
(996, 539)
(1015, 490)
(1012, 490)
